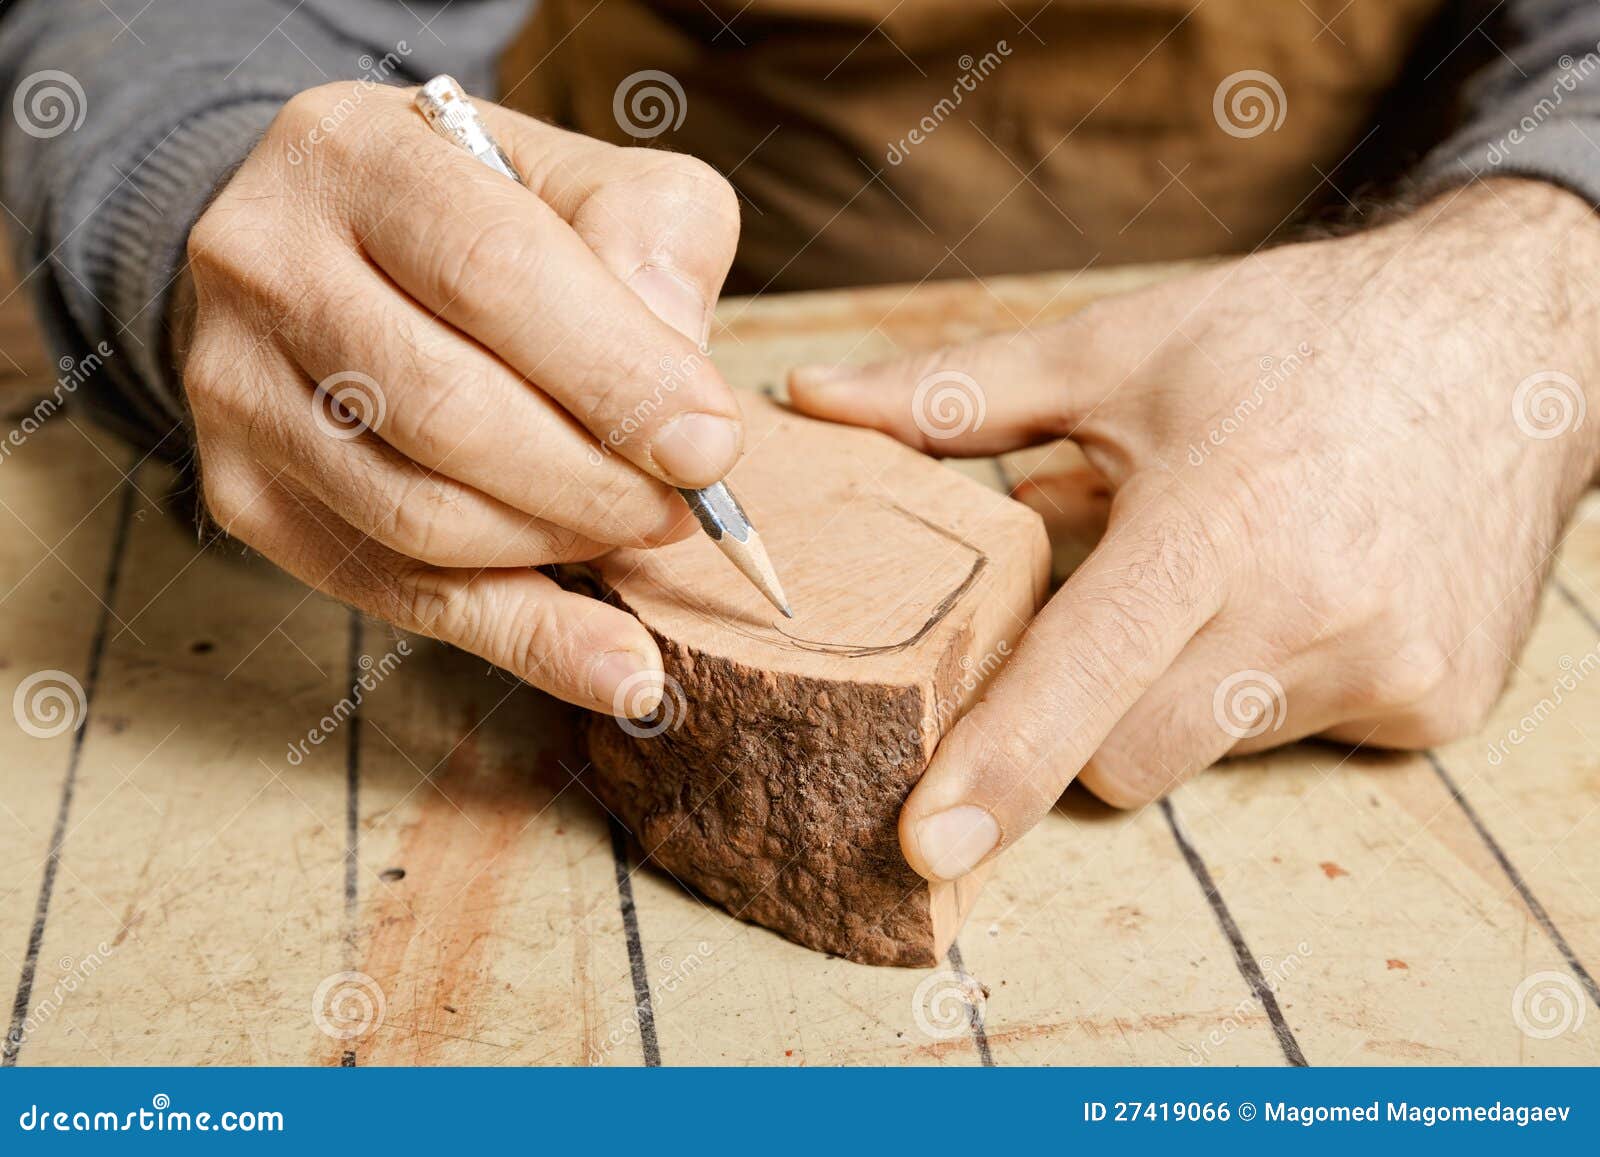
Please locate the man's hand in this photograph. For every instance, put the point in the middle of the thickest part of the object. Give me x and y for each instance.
(1339, 471)
(412, 380)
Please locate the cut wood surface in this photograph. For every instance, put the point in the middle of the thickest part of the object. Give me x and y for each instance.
(772, 776)
(433, 881)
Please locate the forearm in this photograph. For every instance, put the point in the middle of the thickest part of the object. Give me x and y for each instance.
(158, 111)
(1508, 264)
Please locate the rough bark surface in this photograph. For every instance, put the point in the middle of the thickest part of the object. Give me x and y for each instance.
(771, 780)
(777, 797)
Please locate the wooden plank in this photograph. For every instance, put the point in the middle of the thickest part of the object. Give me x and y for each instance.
(1411, 937)
(503, 940)
(224, 867)
(59, 512)
(1097, 946)
(201, 864)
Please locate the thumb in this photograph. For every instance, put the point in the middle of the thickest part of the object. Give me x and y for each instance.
(985, 397)
(1113, 630)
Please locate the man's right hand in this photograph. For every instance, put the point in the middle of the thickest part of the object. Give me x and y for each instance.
(412, 380)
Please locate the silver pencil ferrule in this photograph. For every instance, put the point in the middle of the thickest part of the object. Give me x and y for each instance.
(446, 106)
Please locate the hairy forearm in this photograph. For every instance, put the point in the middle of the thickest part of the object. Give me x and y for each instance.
(1515, 267)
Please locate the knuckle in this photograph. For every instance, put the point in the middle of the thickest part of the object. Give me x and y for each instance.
(1119, 781)
(220, 251)
(1434, 727)
(1164, 581)
(533, 636)
(408, 526)
(680, 181)
(483, 254)
(317, 106)
(1404, 677)
(696, 183)
(550, 541)
(227, 500)
(435, 605)
(609, 506)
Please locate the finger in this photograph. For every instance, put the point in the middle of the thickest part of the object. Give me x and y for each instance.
(1204, 708)
(1074, 503)
(498, 263)
(665, 224)
(989, 396)
(446, 403)
(576, 648)
(418, 513)
(1113, 629)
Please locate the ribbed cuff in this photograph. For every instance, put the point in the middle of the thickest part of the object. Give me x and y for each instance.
(1563, 152)
(136, 240)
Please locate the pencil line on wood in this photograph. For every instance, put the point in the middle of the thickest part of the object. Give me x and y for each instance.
(1249, 968)
(630, 926)
(1576, 604)
(1517, 882)
(47, 884)
(352, 804)
(980, 1035)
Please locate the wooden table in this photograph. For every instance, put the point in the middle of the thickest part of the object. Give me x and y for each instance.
(432, 883)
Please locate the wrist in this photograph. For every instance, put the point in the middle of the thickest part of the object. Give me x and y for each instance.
(1513, 259)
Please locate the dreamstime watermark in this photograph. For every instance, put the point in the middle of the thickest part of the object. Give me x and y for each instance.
(1274, 373)
(1249, 703)
(649, 103)
(373, 672)
(348, 1005)
(1547, 1005)
(1248, 103)
(974, 674)
(74, 973)
(48, 103)
(948, 404)
(1573, 673)
(376, 74)
(160, 1117)
(1548, 404)
(674, 372)
(1566, 81)
(74, 372)
(628, 701)
(973, 73)
(674, 975)
(947, 1002)
(1274, 974)
(49, 703)
(347, 404)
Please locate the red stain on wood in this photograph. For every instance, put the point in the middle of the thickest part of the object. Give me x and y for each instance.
(429, 936)
(1332, 870)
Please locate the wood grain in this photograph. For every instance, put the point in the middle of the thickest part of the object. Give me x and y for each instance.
(1095, 943)
(772, 777)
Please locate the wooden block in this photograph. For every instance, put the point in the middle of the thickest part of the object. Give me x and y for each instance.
(772, 777)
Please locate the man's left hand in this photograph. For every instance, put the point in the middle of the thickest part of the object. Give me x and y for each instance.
(1338, 472)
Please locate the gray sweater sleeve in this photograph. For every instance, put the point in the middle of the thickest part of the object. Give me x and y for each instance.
(126, 114)
(125, 117)
(1532, 109)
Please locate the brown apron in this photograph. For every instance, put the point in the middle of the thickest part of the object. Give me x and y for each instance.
(872, 141)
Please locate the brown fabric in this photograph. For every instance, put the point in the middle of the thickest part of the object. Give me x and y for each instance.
(1073, 133)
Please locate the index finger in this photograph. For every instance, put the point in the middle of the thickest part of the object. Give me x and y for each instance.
(1107, 635)
(499, 264)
